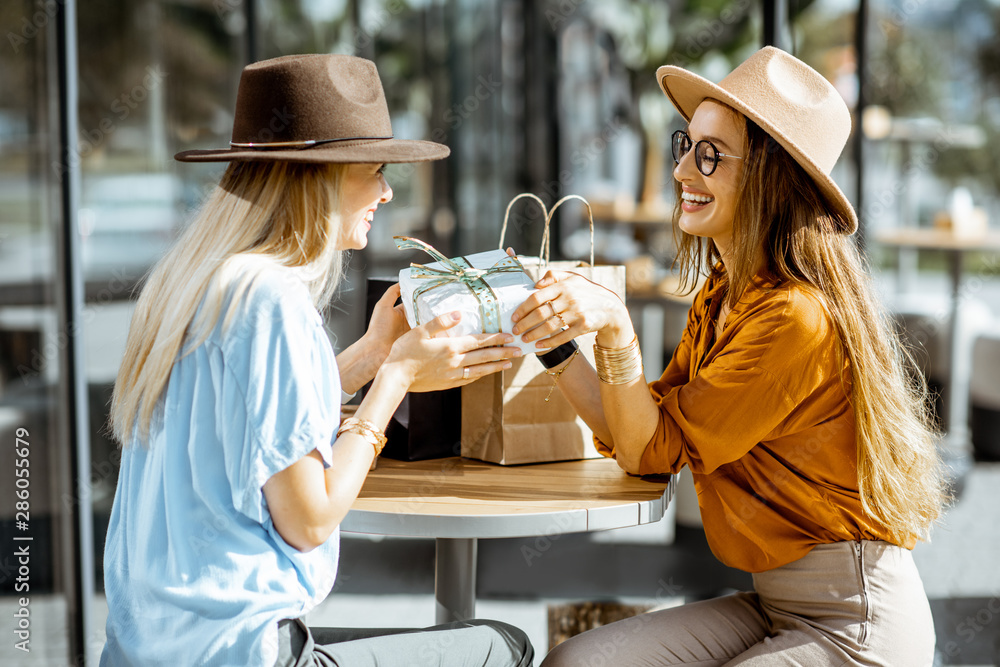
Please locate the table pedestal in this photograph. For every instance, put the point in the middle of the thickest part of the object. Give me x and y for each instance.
(956, 394)
(458, 501)
(455, 579)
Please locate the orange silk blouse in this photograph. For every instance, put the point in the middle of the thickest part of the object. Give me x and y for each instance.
(762, 418)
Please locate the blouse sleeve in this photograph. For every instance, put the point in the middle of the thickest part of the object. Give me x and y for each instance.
(282, 374)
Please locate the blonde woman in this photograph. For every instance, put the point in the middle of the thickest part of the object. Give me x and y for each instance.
(788, 397)
(235, 475)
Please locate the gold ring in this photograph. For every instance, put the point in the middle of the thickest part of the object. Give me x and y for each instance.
(561, 320)
(554, 313)
(465, 373)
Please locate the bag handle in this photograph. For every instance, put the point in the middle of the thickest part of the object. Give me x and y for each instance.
(545, 251)
(545, 213)
(548, 219)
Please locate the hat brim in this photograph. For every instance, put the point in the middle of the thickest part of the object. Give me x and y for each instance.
(357, 152)
(687, 90)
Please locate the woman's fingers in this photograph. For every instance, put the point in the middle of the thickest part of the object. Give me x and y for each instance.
(478, 361)
(545, 290)
(550, 278)
(478, 371)
(547, 317)
(440, 324)
(386, 301)
(535, 309)
(390, 294)
(489, 355)
(488, 340)
(554, 332)
(547, 343)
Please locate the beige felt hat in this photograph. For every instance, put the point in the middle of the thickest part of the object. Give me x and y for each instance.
(314, 108)
(789, 100)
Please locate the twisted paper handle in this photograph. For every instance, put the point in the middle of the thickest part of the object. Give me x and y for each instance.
(544, 252)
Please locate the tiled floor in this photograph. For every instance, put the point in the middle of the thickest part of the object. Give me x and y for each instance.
(961, 572)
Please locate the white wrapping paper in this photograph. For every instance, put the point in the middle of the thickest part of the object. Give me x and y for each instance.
(510, 288)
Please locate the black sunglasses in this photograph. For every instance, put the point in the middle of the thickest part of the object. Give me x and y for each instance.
(706, 155)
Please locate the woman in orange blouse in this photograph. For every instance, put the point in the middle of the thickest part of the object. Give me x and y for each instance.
(788, 397)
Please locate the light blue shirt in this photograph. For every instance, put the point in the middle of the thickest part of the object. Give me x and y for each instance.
(195, 572)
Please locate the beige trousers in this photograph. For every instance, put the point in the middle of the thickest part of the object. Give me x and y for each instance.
(848, 603)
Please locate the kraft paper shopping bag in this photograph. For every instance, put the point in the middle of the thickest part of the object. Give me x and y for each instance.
(505, 417)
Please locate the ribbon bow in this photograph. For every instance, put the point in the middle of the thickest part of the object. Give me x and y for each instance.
(458, 270)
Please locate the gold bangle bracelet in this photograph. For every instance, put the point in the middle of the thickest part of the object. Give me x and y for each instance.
(366, 430)
(618, 365)
(356, 425)
(366, 435)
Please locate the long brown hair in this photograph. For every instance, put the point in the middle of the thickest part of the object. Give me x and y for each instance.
(260, 214)
(784, 227)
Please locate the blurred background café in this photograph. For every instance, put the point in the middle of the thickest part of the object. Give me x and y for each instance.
(551, 97)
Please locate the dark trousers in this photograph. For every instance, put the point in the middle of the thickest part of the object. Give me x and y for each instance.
(473, 643)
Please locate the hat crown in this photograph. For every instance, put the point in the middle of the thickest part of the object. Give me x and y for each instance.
(310, 98)
(798, 101)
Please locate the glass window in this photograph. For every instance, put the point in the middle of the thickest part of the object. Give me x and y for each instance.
(155, 77)
(935, 90)
(615, 122)
(823, 36)
(31, 341)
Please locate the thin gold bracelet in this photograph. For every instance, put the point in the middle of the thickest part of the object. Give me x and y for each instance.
(366, 430)
(618, 365)
(555, 374)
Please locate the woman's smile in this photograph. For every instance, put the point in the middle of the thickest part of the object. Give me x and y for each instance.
(364, 189)
(692, 200)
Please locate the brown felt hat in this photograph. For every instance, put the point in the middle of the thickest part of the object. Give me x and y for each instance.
(314, 108)
(790, 101)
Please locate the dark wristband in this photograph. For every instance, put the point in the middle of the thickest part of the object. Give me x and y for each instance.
(553, 358)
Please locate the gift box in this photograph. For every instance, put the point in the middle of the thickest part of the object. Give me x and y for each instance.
(486, 287)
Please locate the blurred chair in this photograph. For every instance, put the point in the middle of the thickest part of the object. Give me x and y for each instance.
(923, 322)
(984, 393)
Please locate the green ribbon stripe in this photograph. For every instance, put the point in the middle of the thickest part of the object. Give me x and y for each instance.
(458, 270)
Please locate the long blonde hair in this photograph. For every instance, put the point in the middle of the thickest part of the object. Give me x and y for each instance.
(276, 212)
(784, 226)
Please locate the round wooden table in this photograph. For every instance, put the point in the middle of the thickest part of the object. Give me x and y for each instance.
(457, 501)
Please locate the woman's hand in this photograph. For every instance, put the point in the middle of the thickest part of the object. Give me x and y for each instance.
(428, 359)
(568, 305)
(360, 361)
(387, 324)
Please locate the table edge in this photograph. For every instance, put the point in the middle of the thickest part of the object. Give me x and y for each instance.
(515, 524)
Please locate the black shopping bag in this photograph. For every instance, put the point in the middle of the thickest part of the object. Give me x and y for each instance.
(426, 425)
